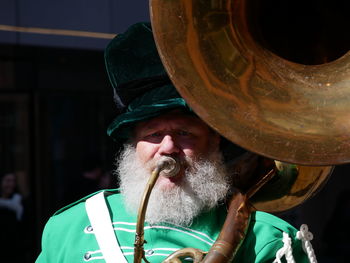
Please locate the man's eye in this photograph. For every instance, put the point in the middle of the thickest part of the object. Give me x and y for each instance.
(183, 133)
(154, 134)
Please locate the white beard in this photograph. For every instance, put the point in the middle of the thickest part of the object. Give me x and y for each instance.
(204, 185)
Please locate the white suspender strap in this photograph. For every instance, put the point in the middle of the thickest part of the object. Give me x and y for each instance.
(101, 223)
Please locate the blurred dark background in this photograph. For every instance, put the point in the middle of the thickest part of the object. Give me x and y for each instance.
(55, 106)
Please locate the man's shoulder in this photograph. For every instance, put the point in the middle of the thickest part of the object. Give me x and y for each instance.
(74, 216)
(262, 219)
(79, 204)
(265, 237)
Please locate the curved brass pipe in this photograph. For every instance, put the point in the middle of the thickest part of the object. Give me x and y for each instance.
(170, 167)
(230, 238)
(242, 204)
(290, 187)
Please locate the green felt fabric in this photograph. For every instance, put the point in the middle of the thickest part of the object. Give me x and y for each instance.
(67, 240)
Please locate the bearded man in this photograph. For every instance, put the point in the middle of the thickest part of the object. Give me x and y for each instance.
(186, 210)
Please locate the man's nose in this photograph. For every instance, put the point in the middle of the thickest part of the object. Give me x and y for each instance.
(168, 145)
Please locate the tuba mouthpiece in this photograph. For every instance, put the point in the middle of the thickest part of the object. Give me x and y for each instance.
(169, 166)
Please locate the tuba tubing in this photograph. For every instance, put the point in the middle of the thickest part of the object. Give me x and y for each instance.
(233, 231)
(169, 166)
(276, 108)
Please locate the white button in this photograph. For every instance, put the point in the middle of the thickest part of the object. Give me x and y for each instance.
(87, 256)
(149, 252)
(89, 229)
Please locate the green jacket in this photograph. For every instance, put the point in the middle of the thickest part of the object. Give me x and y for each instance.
(68, 236)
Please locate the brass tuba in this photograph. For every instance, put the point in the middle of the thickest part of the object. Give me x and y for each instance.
(260, 95)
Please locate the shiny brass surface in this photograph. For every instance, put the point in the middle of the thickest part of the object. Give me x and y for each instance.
(194, 253)
(229, 240)
(276, 108)
(169, 166)
(139, 252)
(274, 186)
(232, 232)
(286, 191)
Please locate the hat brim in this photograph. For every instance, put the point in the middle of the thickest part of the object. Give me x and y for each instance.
(121, 127)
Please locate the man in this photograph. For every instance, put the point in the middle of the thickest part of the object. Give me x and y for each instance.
(187, 210)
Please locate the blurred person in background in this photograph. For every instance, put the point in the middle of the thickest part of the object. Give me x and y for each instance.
(11, 215)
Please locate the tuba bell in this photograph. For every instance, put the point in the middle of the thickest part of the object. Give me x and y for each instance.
(270, 98)
(217, 57)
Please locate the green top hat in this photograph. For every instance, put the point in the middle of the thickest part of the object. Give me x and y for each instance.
(142, 88)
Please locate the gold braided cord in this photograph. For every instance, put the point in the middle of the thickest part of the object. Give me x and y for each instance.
(51, 31)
